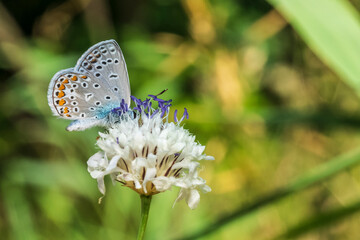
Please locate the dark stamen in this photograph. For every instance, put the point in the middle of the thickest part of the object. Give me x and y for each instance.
(167, 172)
(177, 171)
(147, 151)
(167, 159)
(143, 175)
(162, 161)
(125, 164)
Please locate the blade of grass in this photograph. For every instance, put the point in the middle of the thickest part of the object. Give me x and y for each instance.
(331, 28)
(321, 220)
(314, 176)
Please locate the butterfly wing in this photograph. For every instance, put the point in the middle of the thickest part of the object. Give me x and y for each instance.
(75, 96)
(87, 93)
(106, 63)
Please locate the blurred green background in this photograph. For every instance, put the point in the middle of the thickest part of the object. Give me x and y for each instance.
(272, 89)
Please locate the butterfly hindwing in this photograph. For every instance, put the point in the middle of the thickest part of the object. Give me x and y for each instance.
(73, 95)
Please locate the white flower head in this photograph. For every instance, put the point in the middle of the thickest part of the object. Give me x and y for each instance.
(149, 154)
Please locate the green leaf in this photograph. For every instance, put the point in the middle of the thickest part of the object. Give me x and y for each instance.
(331, 28)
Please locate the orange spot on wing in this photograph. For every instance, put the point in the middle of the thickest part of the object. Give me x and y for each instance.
(62, 87)
(62, 102)
(61, 94)
(65, 81)
(84, 77)
(66, 110)
(74, 78)
(68, 115)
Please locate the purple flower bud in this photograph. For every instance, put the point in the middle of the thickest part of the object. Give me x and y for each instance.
(175, 117)
(186, 114)
(155, 112)
(163, 111)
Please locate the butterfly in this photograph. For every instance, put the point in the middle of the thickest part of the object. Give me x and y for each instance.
(89, 92)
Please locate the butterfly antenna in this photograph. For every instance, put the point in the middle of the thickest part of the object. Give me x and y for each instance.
(161, 92)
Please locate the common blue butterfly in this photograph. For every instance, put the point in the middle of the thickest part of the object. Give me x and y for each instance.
(89, 92)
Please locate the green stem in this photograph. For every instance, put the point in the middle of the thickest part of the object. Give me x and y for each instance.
(145, 207)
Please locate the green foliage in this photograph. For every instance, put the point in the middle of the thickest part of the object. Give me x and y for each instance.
(332, 29)
(261, 93)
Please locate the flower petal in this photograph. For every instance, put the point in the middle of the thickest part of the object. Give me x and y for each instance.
(192, 198)
(101, 185)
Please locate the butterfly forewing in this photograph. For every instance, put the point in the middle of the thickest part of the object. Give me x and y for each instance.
(105, 63)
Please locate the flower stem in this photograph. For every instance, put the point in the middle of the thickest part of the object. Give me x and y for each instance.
(145, 207)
